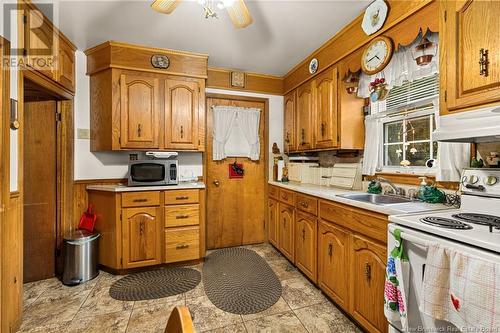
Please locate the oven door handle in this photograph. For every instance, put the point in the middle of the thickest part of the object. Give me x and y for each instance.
(414, 240)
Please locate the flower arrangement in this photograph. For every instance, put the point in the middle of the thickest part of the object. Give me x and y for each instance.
(378, 90)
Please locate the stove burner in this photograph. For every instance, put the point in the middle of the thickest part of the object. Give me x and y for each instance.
(476, 218)
(445, 223)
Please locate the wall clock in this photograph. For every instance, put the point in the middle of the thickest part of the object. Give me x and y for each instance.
(374, 18)
(313, 66)
(377, 55)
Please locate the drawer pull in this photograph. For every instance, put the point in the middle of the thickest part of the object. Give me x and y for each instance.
(284, 197)
(181, 198)
(182, 246)
(179, 217)
(140, 200)
(304, 204)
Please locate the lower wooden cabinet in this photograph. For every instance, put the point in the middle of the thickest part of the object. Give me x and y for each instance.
(306, 244)
(182, 244)
(272, 217)
(368, 265)
(333, 262)
(286, 230)
(141, 232)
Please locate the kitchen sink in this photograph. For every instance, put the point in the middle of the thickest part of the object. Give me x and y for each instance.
(377, 199)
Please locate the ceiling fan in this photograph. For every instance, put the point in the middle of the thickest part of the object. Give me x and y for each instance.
(237, 9)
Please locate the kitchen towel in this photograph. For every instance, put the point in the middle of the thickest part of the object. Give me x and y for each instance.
(396, 282)
(462, 289)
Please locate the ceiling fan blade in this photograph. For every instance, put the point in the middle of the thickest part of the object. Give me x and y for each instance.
(239, 14)
(165, 6)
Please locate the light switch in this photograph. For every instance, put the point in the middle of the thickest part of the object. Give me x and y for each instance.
(83, 133)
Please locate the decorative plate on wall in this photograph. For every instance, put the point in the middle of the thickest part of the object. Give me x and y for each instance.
(313, 66)
(160, 61)
(374, 18)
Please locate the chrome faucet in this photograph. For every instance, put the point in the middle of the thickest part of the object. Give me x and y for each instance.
(395, 189)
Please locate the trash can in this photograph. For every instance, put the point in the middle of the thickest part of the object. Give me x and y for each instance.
(80, 257)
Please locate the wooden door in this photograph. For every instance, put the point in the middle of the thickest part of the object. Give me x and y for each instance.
(236, 208)
(40, 194)
(367, 283)
(325, 109)
(272, 217)
(304, 117)
(469, 27)
(333, 270)
(306, 244)
(182, 102)
(286, 230)
(289, 139)
(141, 228)
(139, 101)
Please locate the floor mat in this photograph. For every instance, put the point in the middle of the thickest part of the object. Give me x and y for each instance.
(155, 284)
(239, 281)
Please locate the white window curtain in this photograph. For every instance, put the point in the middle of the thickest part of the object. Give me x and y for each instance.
(373, 141)
(236, 132)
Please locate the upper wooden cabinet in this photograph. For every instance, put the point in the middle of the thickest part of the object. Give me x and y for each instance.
(182, 107)
(325, 109)
(134, 105)
(140, 111)
(289, 139)
(304, 117)
(470, 53)
(66, 64)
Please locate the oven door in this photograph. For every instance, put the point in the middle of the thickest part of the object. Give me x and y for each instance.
(415, 244)
(143, 173)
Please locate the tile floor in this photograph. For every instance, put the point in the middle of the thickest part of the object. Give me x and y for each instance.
(50, 306)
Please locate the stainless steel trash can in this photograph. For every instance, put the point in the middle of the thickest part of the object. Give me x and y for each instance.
(80, 257)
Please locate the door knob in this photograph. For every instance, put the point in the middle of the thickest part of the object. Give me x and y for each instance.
(216, 183)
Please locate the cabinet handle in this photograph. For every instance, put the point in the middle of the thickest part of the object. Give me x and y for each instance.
(368, 271)
(330, 249)
(483, 62)
(140, 200)
(322, 129)
(287, 137)
(182, 246)
(304, 204)
(303, 136)
(303, 235)
(181, 198)
(141, 228)
(284, 223)
(182, 131)
(179, 217)
(284, 197)
(139, 130)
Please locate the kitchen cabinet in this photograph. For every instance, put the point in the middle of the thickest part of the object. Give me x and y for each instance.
(304, 117)
(139, 110)
(286, 230)
(470, 53)
(289, 138)
(273, 222)
(333, 262)
(306, 244)
(325, 109)
(141, 230)
(367, 272)
(66, 64)
(182, 105)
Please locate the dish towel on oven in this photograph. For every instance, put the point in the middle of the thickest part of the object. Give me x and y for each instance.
(462, 289)
(396, 283)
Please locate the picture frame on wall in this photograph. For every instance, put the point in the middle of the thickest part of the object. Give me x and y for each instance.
(238, 79)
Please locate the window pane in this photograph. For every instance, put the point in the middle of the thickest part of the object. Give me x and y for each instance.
(392, 158)
(418, 153)
(392, 132)
(421, 130)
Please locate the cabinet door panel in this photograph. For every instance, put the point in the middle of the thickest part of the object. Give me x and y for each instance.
(289, 128)
(272, 213)
(181, 113)
(66, 65)
(304, 117)
(325, 89)
(286, 230)
(333, 258)
(141, 237)
(305, 245)
(367, 278)
(139, 101)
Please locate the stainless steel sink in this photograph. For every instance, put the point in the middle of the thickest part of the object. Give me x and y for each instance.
(377, 199)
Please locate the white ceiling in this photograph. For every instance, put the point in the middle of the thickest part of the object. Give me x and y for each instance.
(283, 32)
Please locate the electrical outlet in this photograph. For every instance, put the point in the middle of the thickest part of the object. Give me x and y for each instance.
(83, 133)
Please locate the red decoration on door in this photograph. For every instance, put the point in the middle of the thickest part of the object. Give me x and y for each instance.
(236, 170)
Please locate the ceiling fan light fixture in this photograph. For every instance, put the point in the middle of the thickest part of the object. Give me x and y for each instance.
(165, 6)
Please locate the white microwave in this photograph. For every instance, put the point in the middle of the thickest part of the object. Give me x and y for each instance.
(153, 172)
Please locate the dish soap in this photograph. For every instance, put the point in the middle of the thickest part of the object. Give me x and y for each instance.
(422, 188)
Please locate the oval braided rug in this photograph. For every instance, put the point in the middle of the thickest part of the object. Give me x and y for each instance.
(239, 281)
(155, 284)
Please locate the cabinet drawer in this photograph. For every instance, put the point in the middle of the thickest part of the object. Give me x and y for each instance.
(140, 199)
(287, 196)
(182, 197)
(273, 192)
(307, 204)
(182, 215)
(182, 244)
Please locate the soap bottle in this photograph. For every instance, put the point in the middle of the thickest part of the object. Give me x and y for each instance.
(422, 188)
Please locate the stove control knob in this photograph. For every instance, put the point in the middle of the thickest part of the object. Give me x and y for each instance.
(490, 180)
(473, 179)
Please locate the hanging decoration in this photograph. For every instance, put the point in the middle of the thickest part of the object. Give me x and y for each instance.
(424, 52)
(236, 170)
(378, 89)
(351, 81)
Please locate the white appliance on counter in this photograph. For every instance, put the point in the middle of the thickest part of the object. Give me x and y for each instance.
(474, 229)
(342, 175)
